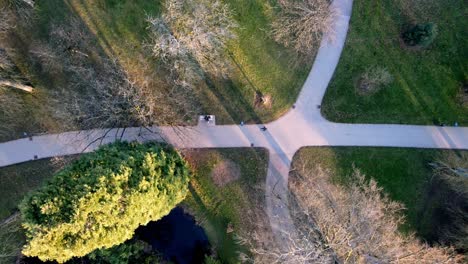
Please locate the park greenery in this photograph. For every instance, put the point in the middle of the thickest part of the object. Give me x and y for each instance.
(68, 65)
(220, 210)
(430, 184)
(98, 63)
(100, 199)
(427, 78)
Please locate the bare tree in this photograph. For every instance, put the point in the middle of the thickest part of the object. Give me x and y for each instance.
(373, 79)
(98, 92)
(191, 35)
(301, 248)
(111, 99)
(301, 24)
(304, 246)
(338, 224)
(452, 165)
(359, 222)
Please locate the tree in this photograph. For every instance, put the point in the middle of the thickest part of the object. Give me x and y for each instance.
(192, 35)
(98, 92)
(359, 222)
(99, 200)
(356, 223)
(110, 99)
(301, 24)
(449, 201)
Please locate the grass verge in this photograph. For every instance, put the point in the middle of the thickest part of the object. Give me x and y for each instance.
(426, 83)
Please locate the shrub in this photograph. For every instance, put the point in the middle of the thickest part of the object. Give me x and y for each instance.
(373, 79)
(99, 200)
(420, 35)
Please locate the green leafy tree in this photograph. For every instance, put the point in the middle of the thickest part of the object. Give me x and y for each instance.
(99, 200)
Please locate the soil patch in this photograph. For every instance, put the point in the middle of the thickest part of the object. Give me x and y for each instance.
(225, 172)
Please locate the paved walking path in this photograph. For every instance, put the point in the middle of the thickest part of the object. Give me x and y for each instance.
(301, 126)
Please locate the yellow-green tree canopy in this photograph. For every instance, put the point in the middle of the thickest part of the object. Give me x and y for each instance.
(99, 200)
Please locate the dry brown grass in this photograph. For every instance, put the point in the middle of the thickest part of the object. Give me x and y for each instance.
(224, 172)
(373, 79)
(11, 239)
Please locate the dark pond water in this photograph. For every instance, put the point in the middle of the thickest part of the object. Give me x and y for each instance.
(177, 237)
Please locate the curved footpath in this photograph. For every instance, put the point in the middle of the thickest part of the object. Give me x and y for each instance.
(301, 126)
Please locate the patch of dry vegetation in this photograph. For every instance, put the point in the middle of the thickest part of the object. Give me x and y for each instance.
(373, 79)
(359, 223)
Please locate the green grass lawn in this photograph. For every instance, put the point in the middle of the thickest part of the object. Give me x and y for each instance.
(215, 208)
(267, 66)
(403, 174)
(426, 82)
